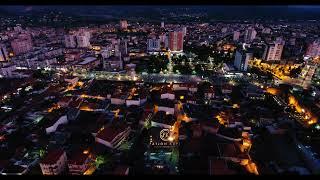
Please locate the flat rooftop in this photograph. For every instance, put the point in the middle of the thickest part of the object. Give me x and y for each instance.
(87, 60)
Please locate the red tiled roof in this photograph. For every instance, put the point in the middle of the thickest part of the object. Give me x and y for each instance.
(193, 145)
(78, 158)
(119, 95)
(211, 123)
(110, 132)
(166, 89)
(149, 107)
(76, 103)
(65, 99)
(73, 53)
(230, 150)
(192, 98)
(219, 167)
(52, 157)
(209, 90)
(120, 170)
(191, 85)
(182, 84)
(227, 86)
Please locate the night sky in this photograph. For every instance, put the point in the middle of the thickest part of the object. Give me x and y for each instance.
(296, 12)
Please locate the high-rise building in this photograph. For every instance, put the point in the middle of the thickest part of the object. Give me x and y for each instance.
(292, 41)
(250, 34)
(266, 31)
(70, 41)
(163, 40)
(313, 49)
(54, 163)
(123, 46)
(273, 51)
(123, 24)
(153, 44)
(17, 28)
(236, 35)
(83, 38)
(22, 44)
(80, 39)
(162, 24)
(83, 41)
(84, 32)
(224, 30)
(176, 41)
(184, 30)
(241, 60)
(3, 53)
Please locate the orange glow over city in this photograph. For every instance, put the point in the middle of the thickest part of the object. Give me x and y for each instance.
(305, 112)
(221, 118)
(85, 108)
(54, 107)
(273, 91)
(92, 97)
(281, 71)
(252, 168)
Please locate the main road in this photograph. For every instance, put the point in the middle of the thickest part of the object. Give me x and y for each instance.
(218, 79)
(155, 78)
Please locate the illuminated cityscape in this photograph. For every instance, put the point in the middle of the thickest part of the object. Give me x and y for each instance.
(131, 90)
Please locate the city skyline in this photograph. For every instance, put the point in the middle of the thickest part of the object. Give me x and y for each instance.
(251, 11)
(159, 90)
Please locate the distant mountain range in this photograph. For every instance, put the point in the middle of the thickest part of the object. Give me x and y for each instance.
(218, 12)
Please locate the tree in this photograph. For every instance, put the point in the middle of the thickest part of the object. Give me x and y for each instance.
(147, 124)
(295, 72)
(103, 159)
(175, 156)
(42, 152)
(100, 160)
(198, 69)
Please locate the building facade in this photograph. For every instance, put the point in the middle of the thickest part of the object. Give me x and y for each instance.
(313, 49)
(21, 45)
(3, 53)
(70, 41)
(123, 24)
(273, 51)
(241, 60)
(153, 45)
(83, 41)
(54, 163)
(163, 40)
(176, 41)
(236, 35)
(250, 35)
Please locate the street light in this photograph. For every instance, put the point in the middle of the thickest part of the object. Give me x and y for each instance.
(170, 138)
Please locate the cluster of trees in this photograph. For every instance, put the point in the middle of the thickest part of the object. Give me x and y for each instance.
(257, 71)
(294, 73)
(157, 63)
(40, 74)
(204, 52)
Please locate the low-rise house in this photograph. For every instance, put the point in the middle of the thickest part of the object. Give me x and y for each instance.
(54, 163)
(78, 163)
(163, 119)
(118, 98)
(226, 89)
(52, 127)
(167, 106)
(88, 63)
(14, 170)
(137, 98)
(113, 135)
(167, 93)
